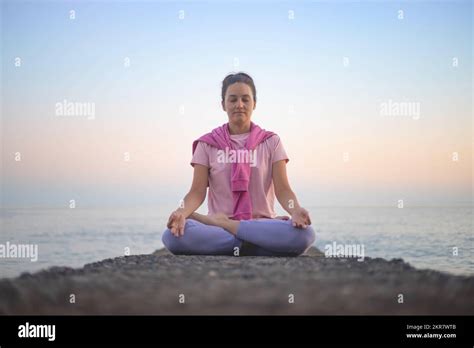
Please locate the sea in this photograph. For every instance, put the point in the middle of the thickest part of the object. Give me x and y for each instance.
(437, 238)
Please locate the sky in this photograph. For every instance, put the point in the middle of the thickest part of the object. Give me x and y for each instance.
(372, 100)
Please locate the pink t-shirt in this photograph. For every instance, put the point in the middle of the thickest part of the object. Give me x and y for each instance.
(261, 188)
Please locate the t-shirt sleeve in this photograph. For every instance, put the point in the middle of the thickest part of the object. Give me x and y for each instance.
(279, 153)
(201, 155)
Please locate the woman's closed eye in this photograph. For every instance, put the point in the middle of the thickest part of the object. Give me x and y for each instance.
(235, 100)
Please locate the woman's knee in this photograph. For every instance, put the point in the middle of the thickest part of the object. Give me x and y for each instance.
(172, 243)
(184, 244)
(304, 239)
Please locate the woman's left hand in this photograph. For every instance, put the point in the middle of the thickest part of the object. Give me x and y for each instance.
(300, 218)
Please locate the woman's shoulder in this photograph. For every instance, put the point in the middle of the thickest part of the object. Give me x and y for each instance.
(203, 146)
(272, 141)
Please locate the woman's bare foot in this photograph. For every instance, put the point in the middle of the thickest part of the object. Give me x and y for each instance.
(219, 219)
(201, 218)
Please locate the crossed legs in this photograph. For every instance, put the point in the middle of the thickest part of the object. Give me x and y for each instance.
(219, 235)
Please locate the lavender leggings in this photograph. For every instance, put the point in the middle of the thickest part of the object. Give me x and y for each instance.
(261, 237)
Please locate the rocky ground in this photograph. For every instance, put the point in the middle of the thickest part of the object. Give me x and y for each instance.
(162, 283)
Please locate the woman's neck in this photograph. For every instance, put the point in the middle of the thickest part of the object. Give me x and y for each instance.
(238, 129)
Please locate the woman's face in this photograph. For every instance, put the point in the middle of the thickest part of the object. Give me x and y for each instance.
(239, 103)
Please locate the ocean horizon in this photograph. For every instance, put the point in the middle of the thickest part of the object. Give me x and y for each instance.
(437, 238)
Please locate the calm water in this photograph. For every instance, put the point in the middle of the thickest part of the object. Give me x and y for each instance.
(424, 237)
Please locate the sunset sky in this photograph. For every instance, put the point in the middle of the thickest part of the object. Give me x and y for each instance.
(323, 72)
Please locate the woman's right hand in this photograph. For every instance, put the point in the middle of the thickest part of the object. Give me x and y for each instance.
(176, 223)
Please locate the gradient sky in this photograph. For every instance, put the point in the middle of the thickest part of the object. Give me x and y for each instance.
(319, 107)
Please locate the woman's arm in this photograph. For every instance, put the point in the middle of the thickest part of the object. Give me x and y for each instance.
(192, 201)
(283, 191)
(287, 197)
(197, 192)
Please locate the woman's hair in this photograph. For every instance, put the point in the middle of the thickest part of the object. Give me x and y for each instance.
(239, 77)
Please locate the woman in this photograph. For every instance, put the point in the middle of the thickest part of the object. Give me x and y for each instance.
(244, 167)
